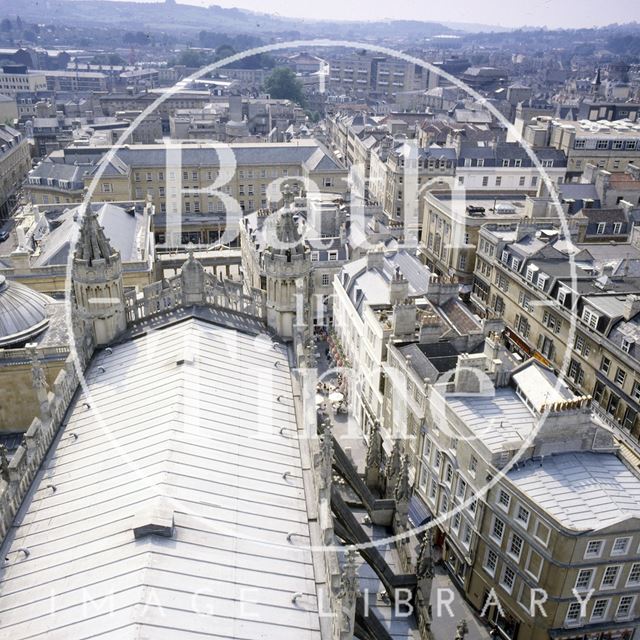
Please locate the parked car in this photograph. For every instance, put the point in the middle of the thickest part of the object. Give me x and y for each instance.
(3, 235)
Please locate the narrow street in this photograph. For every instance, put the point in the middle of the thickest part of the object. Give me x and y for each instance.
(447, 601)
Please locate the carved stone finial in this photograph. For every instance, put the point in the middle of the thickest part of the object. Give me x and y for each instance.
(374, 449)
(349, 582)
(4, 463)
(462, 628)
(38, 377)
(326, 457)
(394, 465)
(424, 563)
(347, 596)
(402, 490)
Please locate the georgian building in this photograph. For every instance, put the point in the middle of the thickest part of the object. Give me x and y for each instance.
(389, 181)
(524, 275)
(15, 162)
(507, 168)
(529, 495)
(608, 145)
(143, 171)
(389, 297)
(451, 224)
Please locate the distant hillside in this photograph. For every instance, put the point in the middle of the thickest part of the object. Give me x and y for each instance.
(169, 16)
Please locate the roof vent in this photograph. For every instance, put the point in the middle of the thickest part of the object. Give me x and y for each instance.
(154, 521)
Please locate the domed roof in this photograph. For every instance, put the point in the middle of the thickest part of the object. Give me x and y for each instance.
(23, 312)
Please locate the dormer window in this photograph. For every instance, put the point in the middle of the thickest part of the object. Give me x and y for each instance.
(627, 343)
(505, 257)
(531, 271)
(542, 280)
(515, 264)
(590, 317)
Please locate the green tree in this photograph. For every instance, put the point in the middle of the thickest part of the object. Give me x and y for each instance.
(282, 84)
(108, 58)
(192, 58)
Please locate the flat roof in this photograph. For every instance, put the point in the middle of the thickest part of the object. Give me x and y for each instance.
(185, 425)
(582, 491)
(496, 419)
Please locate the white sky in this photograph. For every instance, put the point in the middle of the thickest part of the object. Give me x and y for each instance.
(508, 13)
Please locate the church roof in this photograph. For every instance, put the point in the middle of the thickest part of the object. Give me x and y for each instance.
(179, 506)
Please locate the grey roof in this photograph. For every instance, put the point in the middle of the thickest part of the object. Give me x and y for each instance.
(301, 152)
(612, 306)
(121, 228)
(59, 171)
(23, 312)
(442, 355)
(185, 426)
(583, 491)
(604, 215)
(495, 419)
(423, 367)
(371, 285)
(434, 151)
(578, 191)
(494, 155)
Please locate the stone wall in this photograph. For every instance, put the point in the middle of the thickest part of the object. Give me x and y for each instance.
(18, 400)
(18, 474)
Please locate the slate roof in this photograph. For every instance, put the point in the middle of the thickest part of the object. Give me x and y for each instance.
(121, 228)
(58, 171)
(371, 285)
(246, 154)
(494, 155)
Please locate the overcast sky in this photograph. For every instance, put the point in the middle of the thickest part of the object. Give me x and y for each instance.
(508, 13)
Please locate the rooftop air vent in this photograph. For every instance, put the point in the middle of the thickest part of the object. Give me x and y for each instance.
(154, 521)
